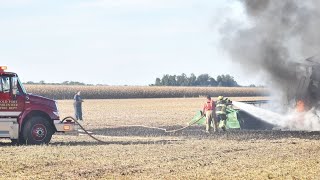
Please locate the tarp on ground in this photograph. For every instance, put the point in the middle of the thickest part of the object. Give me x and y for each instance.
(198, 115)
(232, 119)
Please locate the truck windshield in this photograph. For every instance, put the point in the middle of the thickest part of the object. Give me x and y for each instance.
(22, 87)
(4, 84)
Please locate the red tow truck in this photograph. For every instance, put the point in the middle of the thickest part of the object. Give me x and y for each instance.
(27, 118)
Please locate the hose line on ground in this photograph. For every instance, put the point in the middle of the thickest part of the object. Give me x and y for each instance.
(162, 129)
(149, 127)
(89, 134)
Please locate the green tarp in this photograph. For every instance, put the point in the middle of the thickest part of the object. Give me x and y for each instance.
(232, 119)
(198, 115)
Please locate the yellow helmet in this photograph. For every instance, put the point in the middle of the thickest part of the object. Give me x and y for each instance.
(220, 97)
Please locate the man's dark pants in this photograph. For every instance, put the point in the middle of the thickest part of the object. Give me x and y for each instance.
(78, 111)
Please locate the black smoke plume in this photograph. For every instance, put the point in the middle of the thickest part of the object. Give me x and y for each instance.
(279, 32)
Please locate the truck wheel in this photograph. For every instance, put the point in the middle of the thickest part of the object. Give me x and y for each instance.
(19, 141)
(15, 141)
(37, 130)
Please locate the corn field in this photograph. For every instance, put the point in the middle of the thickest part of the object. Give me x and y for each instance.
(128, 92)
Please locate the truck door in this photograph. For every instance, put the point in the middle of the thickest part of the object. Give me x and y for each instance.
(10, 105)
(17, 94)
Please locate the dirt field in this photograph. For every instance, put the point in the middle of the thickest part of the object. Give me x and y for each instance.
(140, 153)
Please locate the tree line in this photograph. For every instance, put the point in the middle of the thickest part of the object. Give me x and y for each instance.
(63, 83)
(193, 80)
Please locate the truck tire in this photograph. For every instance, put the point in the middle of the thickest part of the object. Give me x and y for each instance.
(15, 141)
(37, 130)
(19, 141)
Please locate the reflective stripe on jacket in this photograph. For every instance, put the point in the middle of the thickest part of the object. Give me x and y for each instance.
(221, 107)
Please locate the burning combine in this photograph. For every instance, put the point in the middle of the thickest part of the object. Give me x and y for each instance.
(301, 108)
(306, 94)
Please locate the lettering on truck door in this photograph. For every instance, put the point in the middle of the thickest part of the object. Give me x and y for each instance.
(10, 105)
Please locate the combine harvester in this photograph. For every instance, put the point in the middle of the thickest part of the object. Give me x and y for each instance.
(306, 90)
(302, 95)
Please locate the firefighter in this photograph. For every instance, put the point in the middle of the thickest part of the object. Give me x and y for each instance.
(78, 106)
(221, 110)
(209, 111)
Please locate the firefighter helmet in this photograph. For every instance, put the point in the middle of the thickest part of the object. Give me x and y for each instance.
(220, 97)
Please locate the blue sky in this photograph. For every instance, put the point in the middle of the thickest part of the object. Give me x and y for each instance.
(116, 42)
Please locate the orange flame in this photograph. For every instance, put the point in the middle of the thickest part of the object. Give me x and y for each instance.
(300, 107)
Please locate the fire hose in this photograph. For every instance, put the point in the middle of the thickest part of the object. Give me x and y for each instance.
(89, 134)
(149, 127)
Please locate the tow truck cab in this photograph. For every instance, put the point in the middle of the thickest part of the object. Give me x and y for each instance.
(27, 118)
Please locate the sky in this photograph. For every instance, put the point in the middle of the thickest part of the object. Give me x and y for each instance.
(117, 42)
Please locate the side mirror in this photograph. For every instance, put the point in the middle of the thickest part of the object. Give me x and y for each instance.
(14, 86)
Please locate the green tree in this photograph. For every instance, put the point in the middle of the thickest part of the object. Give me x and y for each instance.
(30, 82)
(182, 80)
(172, 80)
(203, 80)
(192, 80)
(212, 82)
(158, 82)
(226, 81)
(165, 80)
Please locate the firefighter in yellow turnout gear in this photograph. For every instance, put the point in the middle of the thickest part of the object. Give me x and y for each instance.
(221, 111)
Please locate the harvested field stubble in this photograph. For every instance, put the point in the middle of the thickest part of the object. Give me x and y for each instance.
(124, 92)
(138, 153)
